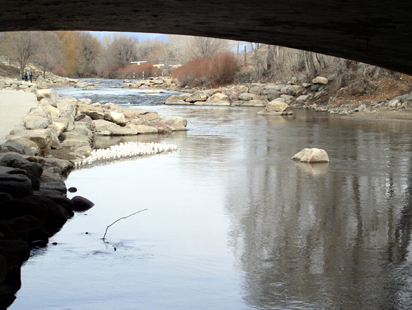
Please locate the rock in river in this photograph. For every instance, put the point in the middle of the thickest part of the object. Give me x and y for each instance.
(313, 155)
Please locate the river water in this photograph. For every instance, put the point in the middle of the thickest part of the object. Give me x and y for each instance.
(232, 222)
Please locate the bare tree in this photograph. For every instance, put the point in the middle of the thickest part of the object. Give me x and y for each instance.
(208, 47)
(121, 50)
(87, 53)
(152, 50)
(309, 64)
(49, 54)
(21, 46)
(185, 48)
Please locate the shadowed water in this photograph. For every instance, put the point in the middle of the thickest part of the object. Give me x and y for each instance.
(233, 223)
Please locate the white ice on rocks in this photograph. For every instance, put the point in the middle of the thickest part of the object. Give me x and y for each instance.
(125, 150)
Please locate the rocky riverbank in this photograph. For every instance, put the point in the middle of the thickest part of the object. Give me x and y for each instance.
(316, 96)
(35, 160)
(65, 127)
(33, 205)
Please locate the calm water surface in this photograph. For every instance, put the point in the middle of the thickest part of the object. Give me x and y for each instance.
(233, 223)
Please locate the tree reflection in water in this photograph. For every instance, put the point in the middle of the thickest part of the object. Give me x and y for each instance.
(325, 236)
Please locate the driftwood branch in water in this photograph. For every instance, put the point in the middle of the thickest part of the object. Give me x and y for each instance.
(122, 218)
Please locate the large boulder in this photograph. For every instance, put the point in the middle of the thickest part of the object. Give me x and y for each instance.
(138, 121)
(59, 125)
(116, 130)
(81, 85)
(85, 121)
(61, 164)
(56, 214)
(81, 204)
(132, 113)
(16, 147)
(95, 112)
(50, 175)
(101, 125)
(142, 129)
(115, 117)
(256, 89)
(83, 129)
(49, 93)
(44, 138)
(79, 134)
(30, 144)
(58, 198)
(67, 106)
(246, 96)
(171, 120)
(55, 143)
(45, 105)
(292, 90)
(15, 160)
(197, 97)
(17, 185)
(150, 116)
(276, 107)
(218, 97)
(80, 145)
(37, 123)
(320, 80)
(161, 126)
(176, 100)
(37, 113)
(313, 155)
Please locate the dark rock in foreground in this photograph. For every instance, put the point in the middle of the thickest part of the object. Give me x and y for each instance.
(33, 207)
(81, 204)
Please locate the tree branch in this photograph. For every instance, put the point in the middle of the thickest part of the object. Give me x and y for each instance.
(122, 218)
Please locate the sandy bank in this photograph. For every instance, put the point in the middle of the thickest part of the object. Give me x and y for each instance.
(14, 106)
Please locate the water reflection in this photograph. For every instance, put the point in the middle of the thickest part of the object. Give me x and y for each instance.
(300, 236)
(332, 236)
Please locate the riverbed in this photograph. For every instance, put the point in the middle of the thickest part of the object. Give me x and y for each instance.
(232, 222)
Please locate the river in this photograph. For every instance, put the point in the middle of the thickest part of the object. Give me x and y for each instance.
(232, 222)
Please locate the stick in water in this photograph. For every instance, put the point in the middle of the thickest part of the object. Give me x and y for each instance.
(122, 218)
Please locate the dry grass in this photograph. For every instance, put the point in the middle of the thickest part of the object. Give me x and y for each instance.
(384, 88)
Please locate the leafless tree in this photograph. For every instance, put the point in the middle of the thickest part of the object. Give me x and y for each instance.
(185, 48)
(21, 46)
(208, 47)
(120, 50)
(152, 50)
(49, 53)
(87, 53)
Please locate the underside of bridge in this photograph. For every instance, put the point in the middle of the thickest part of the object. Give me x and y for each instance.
(378, 32)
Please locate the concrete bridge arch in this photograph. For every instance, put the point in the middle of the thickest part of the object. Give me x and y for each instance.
(378, 32)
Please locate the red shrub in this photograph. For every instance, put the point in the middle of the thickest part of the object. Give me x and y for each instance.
(110, 72)
(223, 68)
(59, 70)
(217, 71)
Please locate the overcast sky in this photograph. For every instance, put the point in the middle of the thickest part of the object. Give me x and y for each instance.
(142, 36)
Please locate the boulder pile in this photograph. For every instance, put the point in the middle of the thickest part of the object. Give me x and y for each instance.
(70, 124)
(33, 205)
(270, 96)
(153, 82)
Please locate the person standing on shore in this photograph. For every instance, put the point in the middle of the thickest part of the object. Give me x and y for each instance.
(31, 77)
(25, 76)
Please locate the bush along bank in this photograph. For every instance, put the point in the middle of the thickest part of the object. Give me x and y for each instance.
(33, 205)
